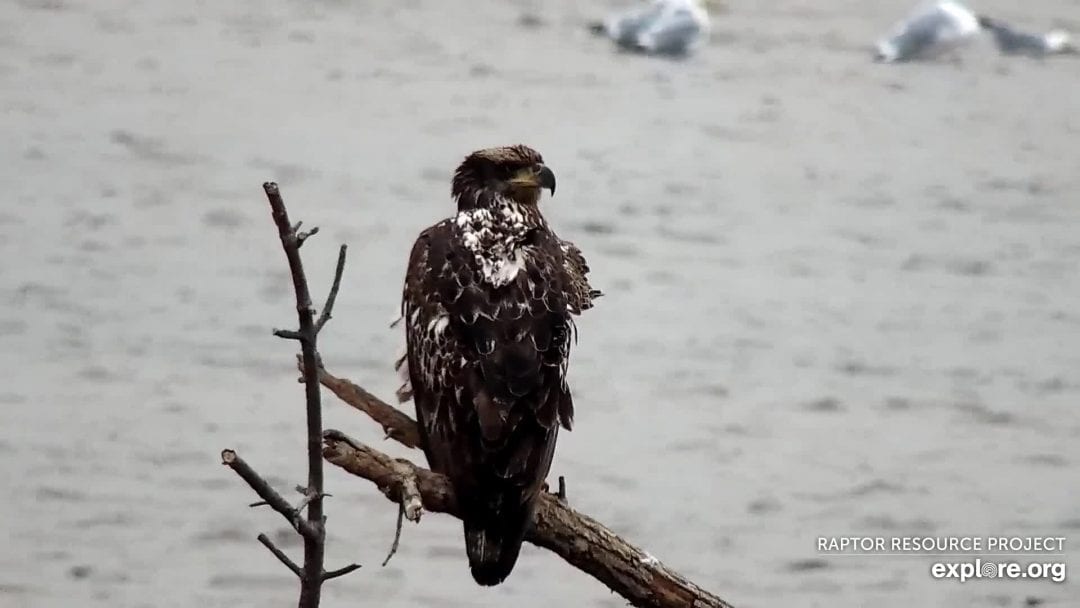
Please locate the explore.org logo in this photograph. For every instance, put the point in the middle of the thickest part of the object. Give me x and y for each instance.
(963, 571)
(967, 554)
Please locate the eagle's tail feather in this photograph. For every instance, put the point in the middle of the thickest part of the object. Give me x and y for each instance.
(493, 544)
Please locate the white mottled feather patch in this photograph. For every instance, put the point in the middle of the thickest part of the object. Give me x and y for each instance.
(492, 236)
(506, 269)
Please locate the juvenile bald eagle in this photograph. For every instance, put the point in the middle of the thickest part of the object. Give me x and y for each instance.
(489, 300)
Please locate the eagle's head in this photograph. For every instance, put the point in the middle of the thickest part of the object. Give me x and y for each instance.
(514, 172)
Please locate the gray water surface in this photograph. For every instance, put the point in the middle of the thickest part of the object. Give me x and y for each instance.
(841, 297)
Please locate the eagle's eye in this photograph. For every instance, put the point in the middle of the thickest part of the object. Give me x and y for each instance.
(510, 170)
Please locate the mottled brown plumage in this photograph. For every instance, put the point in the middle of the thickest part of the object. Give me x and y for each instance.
(488, 304)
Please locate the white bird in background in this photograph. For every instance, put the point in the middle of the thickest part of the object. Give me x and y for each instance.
(664, 27)
(1015, 42)
(931, 31)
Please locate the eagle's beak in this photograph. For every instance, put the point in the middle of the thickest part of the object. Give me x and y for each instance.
(536, 176)
(546, 178)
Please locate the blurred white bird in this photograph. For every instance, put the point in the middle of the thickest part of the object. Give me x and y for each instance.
(930, 31)
(1014, 42)
(663, 27)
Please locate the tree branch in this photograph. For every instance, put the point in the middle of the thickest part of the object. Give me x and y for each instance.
(278, 553)
(340, 572)
(269, 495)
(332, 296)
(314, 546)
(312, 529)
(397, 425)
(580, 540)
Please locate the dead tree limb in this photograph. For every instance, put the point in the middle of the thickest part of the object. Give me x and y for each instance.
(396, 424)
(278, 553)
(269, 495)
(577, 538)
(313, 528)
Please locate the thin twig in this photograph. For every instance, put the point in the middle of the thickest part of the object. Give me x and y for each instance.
(332, 297)
(561, 494)
(303, 236)
(340, 572)
(397, 534)
(304, 502)
(278, 553)
(288, 334)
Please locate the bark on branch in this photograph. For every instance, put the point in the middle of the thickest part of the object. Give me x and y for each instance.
(396, 424)
(577, 538)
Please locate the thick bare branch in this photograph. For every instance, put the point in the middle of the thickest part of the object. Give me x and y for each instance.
(580, 540)
(397, 425)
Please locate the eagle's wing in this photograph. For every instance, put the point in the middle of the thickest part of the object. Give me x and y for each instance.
(431, 368)
(581, 292)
